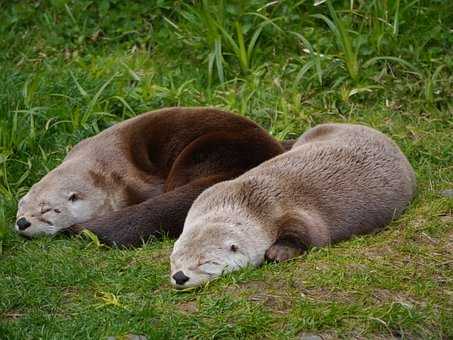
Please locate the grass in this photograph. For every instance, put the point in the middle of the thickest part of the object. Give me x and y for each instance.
(69, 69)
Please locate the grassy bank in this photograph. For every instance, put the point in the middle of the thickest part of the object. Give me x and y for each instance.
(69, 69)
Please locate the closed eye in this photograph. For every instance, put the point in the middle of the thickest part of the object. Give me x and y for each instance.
(210, 262)
(44, 221)
(209, 267)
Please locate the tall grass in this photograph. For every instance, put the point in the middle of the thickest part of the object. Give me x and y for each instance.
(69, 69)
(236, 41)
(350, 54)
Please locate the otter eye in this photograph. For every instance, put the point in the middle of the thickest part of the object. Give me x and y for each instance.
(234, 247)
(73, 197)
(57, 211)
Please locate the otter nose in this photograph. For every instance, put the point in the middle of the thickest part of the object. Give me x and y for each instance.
(180, 278)
(22, 223)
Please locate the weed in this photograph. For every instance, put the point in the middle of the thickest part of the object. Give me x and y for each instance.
(69, 69)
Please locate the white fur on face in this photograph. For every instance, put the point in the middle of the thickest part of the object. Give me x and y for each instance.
(205, 253)
(35, 230)
(60, 200)
(202, 268)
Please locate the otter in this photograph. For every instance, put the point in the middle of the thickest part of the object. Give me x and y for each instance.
(138, 178)
(338, 180)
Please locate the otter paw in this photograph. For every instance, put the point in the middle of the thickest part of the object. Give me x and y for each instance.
(73, 230)
(282, 252)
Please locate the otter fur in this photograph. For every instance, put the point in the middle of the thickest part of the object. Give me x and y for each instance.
(338, 180)
(138, 178)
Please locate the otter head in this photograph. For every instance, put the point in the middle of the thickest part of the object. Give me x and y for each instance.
(206, 251)
(67, 195)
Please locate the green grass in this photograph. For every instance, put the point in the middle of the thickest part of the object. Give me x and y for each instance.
(69, 69)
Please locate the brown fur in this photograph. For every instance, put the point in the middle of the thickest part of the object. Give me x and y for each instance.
(162, 161)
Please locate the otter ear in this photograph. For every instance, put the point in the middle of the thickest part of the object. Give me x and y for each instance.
(73, 197)
(234, 248)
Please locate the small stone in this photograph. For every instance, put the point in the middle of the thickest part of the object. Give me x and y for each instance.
(310, 337)
(447, 193)
(136, 337)
(447, 219)
(128, 337)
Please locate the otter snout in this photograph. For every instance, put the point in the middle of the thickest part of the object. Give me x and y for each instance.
(31, 224)
(180, 278)
(22, 223)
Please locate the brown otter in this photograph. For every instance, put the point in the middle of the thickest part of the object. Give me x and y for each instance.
(338, 180)
(139, 178)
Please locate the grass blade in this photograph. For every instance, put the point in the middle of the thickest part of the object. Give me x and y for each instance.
(243, 55)
(391, 58)
(79, 87)
(218, 57)
(396, 18)
(344, 40)
(313, 55)
(95, 99)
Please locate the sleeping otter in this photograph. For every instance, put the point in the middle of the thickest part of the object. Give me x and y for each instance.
(337, 181)
(139, 178)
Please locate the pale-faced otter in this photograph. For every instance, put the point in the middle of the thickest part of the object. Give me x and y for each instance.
(338, 180)
(139, 178)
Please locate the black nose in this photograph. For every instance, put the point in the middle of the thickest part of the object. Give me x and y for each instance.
(180, 278)
(22, 223)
